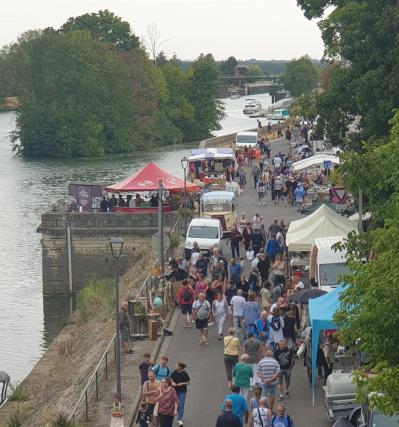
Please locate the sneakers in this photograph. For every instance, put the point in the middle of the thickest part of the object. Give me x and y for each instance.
(180, 422)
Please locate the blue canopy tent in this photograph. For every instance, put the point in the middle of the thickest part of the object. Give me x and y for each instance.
(321, 313)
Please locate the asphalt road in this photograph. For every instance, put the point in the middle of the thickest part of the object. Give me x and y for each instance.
(205, 364)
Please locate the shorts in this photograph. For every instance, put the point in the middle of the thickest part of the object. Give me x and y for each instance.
(269, 390)
(150, 408)
(287, 374)
(201, 323)
(186, 308)
(124, 335)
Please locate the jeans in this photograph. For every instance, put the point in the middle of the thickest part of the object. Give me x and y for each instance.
(237, 322)
(235, 248)
(287, 375)
(180, 410)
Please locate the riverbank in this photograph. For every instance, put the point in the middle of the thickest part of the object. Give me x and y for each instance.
(56, 382)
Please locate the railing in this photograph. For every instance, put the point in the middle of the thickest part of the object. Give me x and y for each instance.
(102, 366)
(85, 396)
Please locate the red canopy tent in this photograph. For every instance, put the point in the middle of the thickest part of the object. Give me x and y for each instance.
(147, 179)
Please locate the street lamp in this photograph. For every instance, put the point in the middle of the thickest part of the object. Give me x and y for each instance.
(184, 164)
(116, 244)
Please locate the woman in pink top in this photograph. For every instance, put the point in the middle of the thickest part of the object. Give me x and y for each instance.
(201, 286)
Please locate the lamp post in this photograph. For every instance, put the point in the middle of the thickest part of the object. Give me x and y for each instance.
(184, 164)
(160, 228)
(116, 244)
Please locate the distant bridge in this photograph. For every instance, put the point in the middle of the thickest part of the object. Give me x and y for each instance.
(240, 79)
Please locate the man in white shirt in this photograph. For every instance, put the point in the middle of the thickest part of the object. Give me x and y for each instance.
(237, 306)
(277, 162)
(256, 260)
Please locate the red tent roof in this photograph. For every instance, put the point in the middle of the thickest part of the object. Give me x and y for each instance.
(146, 179)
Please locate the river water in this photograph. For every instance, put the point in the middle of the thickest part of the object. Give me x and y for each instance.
(28, 322)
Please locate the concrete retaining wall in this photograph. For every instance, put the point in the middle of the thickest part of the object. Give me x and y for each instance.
(91, 256)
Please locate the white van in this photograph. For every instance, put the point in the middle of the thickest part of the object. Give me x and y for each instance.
(205, 231)
(249, 139)
(326, 264)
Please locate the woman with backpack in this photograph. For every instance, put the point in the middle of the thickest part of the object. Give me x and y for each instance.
(220, 311)
(185, 298)
(276, 327)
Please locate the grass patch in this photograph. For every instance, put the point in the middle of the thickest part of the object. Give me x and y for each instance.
(96, 300)
(18, 393)
(62, 421)
(16, 418)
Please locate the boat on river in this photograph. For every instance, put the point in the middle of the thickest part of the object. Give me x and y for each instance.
(252, 106)
(234, 94)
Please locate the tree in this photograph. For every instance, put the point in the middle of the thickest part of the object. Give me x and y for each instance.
(104, 26)
(368, 314)
(154, 40)
(203, 89)
(161, 59)
(301, 76)
(227, 68)
(79, 104)
(362, 34)
(255, 70)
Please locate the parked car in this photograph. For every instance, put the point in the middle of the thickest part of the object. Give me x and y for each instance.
(206, 232)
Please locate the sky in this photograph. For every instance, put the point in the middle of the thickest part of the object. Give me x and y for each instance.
(261, 29)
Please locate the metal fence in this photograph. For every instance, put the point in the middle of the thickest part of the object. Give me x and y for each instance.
(92, 387)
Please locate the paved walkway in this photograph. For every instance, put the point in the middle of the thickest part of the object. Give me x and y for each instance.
(205, 364)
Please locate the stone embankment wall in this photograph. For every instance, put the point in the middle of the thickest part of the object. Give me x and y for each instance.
(90, 252)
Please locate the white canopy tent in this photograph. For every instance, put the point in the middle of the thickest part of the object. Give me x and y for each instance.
(324, 222)
(318, 159)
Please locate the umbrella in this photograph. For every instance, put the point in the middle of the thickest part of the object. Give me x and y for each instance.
(305, 295)
(342, 422)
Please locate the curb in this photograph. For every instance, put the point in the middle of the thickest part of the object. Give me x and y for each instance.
(154, 355)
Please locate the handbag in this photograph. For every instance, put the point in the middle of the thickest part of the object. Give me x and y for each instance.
(301, 349)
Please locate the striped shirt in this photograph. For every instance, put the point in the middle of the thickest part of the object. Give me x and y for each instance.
(268, 367)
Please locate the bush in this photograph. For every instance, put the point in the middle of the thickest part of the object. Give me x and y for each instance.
(62, 421)
(96, 300)
(18, 393)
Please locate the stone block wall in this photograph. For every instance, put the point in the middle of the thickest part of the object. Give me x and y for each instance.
(91, 255)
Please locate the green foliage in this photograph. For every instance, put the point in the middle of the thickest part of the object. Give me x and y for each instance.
(105, 27)
(202, 93)
(255, 70)
(362, 35)
(301, 76)
(305, 107)
(227, 68)
(96, 300)
(18, 393)
(16, 418)
(368, 312)
(80, 102)
(89, 89)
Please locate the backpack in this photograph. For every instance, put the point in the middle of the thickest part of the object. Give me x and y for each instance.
(186, 295)
(287, 417)
(157, 370)
(275, 323)
(283, 359)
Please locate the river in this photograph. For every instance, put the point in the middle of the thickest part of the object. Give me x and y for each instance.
(28, 322)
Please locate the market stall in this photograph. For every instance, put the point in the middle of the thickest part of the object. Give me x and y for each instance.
(316, 160)
(147, 180)
(321, 314)
(324, 222)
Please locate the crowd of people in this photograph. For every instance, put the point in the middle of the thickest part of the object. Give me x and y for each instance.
(244, 289)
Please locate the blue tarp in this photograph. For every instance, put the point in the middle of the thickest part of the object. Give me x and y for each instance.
(321, 313)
